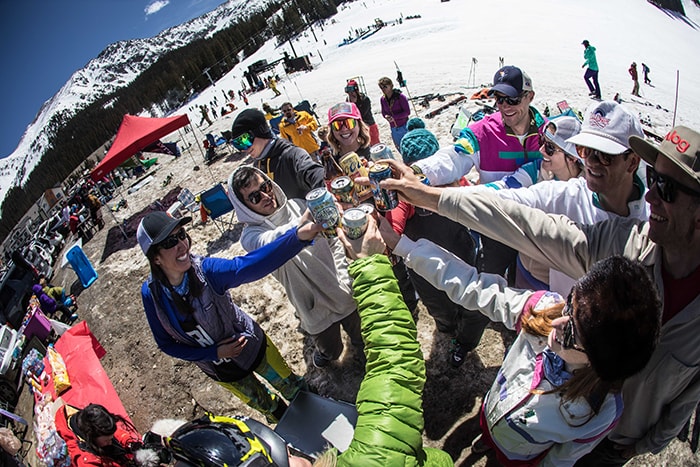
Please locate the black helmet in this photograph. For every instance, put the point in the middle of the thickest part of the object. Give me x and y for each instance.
(236, 442)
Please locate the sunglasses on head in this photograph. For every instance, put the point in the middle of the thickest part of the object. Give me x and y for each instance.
(384, 86)
(256, 196)
(666, 187)
(348, 123)
(243, 142)
(509, 100)
(602, 157)
(172, 240)
(568, 340)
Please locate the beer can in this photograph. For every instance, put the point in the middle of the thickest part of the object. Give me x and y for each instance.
(367, 208)
(324, 211)
(422, 211)
(353, 167)
(344, 190)
(384, 200)
(355, 223)
(380, 151)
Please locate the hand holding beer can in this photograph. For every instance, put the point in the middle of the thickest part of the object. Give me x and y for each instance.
(321, 203)
(355, 223)
(384, 200)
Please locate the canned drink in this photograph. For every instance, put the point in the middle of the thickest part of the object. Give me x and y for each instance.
(344, 190)
(353, 167)
(380, 151)
(367, 208)
(384, 200)
(324, 211)
(422, 211)
(355, 223)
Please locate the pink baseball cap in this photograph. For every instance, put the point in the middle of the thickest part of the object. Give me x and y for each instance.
(343, 110)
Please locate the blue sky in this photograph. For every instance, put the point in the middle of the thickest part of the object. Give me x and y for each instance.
(43, 42)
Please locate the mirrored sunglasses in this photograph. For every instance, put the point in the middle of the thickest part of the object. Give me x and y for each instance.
(243, 142)
(348, 123)
(256, 196)
(602, 157)
(172, 240)
(666, 187)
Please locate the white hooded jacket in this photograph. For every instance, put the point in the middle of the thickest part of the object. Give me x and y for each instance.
(316, 280)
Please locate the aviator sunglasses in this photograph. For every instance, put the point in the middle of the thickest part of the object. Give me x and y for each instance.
(666, 187)
(256, 196)
(243, 142)
(348, 123)
(568, 340)
(172, 240)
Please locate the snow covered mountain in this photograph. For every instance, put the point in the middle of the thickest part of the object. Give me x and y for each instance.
(115, 67)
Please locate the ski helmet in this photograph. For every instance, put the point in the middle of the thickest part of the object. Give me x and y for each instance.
(226, 441)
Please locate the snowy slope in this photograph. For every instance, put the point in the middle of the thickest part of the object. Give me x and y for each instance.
(435, 55)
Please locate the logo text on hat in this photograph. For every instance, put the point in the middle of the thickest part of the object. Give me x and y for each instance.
(599, 120)
(681, 144)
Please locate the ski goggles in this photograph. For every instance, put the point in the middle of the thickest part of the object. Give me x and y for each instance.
(172, 240)
(348, 123)
(509, 100)
(666, 187)
(243, 142)
(256, 196)
(602, 157)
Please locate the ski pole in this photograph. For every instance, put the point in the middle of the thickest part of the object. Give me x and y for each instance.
(402, 83)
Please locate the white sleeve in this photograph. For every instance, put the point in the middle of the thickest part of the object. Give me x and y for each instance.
(446, 165)
(485, 292)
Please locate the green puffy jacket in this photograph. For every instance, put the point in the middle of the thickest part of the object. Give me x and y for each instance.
(389, 404)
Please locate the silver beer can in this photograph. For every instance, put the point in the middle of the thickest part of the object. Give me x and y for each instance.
(355, 223)
(321, 203)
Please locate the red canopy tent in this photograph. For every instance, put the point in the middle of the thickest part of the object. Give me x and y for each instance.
(135, 133)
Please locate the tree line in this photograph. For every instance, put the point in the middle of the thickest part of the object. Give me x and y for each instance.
(166, 85)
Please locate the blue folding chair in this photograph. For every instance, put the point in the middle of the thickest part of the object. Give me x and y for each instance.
(216, 202)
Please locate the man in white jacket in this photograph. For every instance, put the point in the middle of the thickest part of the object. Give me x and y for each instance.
(661, 398)
(316, 280)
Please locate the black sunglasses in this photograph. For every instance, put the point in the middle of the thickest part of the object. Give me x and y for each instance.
(256, 196)
(172, 240)
(550, 148)
(666, 187)
(569, 338)
(510, 100)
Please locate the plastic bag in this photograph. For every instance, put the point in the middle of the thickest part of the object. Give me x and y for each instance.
(61, 381)
(9, 442)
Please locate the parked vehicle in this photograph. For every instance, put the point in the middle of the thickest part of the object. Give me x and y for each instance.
(8, 365)
(15, 291)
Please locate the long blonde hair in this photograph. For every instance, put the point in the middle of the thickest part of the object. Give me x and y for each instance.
(328, 458)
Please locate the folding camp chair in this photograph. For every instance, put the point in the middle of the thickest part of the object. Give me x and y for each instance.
(186, 204)
(216, 202)
(17, 425)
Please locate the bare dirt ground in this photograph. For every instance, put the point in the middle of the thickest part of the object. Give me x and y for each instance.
(153, 385)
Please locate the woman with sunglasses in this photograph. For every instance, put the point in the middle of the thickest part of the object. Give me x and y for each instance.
(395, 109)
(193, 317)
(557, 393)
(348, 132)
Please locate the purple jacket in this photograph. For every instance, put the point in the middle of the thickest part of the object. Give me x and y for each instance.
(48, 304)
(396, 107)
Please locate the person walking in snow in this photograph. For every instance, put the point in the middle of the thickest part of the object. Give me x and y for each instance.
(591, 75)
(635, 79)
(646, 71)
(205, 115)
